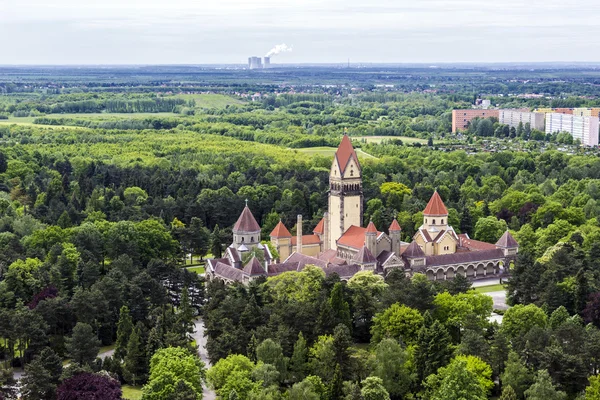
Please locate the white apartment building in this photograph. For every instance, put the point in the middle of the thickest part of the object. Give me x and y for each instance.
(583, 128)
(514, 117)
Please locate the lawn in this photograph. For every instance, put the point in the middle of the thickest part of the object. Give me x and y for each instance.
(131, 392)
(198, 270)
(491, 288)
(379, 139)
(329, 151)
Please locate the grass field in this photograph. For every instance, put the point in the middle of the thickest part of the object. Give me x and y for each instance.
(379, 139)
(211, 100)
(198, 270)
(131, 392)
(330, 151)
(491, 288)
(95, 116)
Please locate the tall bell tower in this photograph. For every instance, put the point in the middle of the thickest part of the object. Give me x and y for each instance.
(345, 192)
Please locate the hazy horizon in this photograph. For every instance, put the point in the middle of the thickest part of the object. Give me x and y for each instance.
(182, 32)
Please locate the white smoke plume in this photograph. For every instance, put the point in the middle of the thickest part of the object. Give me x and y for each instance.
(280, 48)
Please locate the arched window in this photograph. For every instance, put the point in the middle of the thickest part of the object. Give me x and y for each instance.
(242, 239)
(425, 220)
(252, 239)
(433, 222)
(351, 173)
(442, 222)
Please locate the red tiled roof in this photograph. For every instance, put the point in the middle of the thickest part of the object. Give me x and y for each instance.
(435, 206)
(246, 222)
(320, 227)
(354, 237)
(395, 226)
(474, 245)
(344, 153)
(507, 241)
(306, 239)
(280, 231)
(371, 228)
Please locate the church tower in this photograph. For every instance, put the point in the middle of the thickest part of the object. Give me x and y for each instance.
(345, 192)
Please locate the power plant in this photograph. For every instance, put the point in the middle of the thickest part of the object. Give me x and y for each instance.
(254, 63)
(258, 63)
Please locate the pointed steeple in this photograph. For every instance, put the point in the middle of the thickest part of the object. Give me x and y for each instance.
(436, 206)
(345, 153)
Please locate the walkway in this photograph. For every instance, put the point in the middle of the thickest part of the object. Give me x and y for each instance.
(201, 342)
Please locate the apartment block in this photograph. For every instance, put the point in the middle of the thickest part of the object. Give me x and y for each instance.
(580, 127)
(587, 112)
(515, 117)
(461, 118)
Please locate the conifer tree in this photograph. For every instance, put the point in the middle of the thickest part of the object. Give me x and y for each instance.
(336, 385)
(339, 306)
(135, 362)
(508, 393)
(299, 360)
(185, 314)
(37, 382)
(124, 328)
(83, 345)
(51, 363)
(434, 348)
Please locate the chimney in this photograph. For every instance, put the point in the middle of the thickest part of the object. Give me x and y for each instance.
(299, 234)
(267, 267)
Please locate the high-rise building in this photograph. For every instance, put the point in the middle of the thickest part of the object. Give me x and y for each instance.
(461, 118)
(583, 128)
(587, 112)
(514, 117)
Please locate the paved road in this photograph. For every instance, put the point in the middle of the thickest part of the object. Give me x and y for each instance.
(201, 342)
(486, 282)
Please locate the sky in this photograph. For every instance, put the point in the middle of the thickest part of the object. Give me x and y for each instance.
(61, 32)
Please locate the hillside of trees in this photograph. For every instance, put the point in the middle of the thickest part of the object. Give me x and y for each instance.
(104, 195)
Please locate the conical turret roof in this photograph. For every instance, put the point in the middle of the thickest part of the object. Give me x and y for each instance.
(395, 226)
(280, 231)
(413, 251)
(371, 228)
(246, 222)
(364, 256)
(435, 206)
(507, 241)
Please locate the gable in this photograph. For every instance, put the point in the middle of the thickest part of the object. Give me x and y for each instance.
(351, 170)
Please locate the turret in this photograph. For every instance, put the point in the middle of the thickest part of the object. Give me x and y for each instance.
(435, 215)
(371, 238)
(395, 231)
(246, 230)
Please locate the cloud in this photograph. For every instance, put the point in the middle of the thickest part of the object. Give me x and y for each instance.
(185, 31)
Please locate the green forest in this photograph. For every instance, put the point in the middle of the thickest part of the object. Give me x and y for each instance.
(107, 190)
